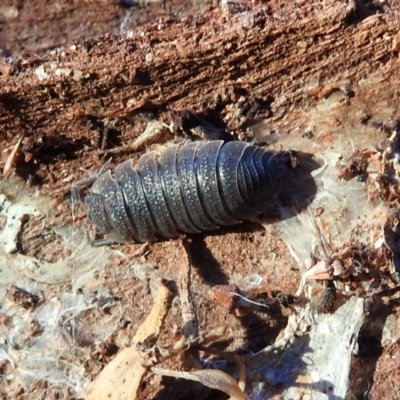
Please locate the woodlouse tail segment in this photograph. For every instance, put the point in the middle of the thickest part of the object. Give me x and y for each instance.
(237, 194)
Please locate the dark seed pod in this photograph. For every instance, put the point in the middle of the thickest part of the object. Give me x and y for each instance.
(188, 188)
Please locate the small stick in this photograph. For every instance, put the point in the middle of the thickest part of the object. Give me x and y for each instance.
(10, 163)
(190, 324)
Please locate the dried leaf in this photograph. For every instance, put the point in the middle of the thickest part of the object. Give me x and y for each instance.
(212, 378)
(120, 379)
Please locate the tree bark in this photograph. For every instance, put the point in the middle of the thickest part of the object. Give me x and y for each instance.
(276, 57)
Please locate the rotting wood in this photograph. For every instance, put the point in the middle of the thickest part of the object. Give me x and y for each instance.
(269, 56)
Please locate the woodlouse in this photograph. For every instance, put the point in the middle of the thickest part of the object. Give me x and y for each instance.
(188, 188)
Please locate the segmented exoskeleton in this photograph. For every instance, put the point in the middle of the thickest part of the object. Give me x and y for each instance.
(186, 188)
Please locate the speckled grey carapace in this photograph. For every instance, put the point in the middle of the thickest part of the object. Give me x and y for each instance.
(189, 188)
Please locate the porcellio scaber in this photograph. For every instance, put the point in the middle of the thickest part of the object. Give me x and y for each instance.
(187, 188)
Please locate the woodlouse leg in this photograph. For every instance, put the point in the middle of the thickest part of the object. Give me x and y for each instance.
(101, 242)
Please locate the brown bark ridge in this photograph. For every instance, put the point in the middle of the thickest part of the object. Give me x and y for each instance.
(224, 59)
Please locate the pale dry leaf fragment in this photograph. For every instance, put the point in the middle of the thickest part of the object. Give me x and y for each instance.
(121, 378)
(152, 131)
(212, 378)
(326, 269)
(231, 357)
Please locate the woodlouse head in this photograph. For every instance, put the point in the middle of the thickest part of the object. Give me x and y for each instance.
(101, 205)
(97, 213)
